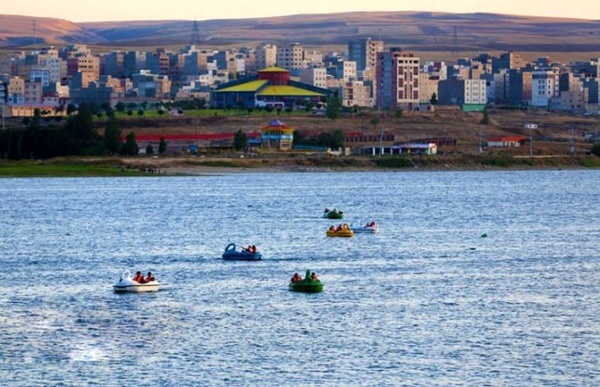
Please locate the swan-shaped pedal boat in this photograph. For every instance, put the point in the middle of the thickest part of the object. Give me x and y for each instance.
(235, 253)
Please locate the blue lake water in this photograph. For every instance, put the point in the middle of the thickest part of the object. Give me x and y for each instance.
(427, 301)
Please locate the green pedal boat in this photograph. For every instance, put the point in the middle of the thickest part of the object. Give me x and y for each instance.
(306, 285)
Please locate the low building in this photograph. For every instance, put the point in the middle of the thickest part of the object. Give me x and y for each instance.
(271, 86)
(277, 135)
(506, 141)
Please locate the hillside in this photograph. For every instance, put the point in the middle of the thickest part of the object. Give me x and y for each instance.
(417, 31)
(552, 137)
(19, 31)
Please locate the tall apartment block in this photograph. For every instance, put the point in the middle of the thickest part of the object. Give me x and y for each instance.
(397, 79)
(364, 52)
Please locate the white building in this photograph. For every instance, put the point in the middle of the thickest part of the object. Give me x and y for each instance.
(544, 86)
(314, 76)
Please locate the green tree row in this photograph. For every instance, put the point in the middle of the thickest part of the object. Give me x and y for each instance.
(77, 137)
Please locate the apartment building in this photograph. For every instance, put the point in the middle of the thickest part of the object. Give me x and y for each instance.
(265, 56)
(346, 70)
(84, 64)
(397, 79)
(573, 95)
(544, 86)
(290, 57)
(428, 86)
(112, 64)
(355, 93)
(461, 92)
(314, 76)
(364, 52)
(33, 93)
(133, 62)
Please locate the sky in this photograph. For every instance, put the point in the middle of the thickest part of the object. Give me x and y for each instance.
(120, 10)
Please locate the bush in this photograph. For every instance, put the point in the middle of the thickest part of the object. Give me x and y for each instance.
(394, 162)
(596, 149)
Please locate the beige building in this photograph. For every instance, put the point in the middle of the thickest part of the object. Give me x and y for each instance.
(265, 56)
(314, 76)
(290, 57)
(428, 87)
(16, 85)
(356, 93)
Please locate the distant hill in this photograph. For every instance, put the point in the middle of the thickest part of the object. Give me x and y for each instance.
(419, 31)
(18, 31)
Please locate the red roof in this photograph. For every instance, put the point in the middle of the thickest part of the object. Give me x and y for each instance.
(507, 138)
(187, 137)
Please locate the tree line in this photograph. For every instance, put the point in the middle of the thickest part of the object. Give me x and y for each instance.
(77, 136)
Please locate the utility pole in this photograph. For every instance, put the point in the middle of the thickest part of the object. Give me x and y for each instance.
(572, 142)
(530, 127)
(480, 148)
(381, 142)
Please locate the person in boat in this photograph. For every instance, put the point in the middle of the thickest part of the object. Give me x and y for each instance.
(313, 276)
(331, 228)
(327, 210)
(138, 277)
(339, 227)
(296, 278)
(149, 278)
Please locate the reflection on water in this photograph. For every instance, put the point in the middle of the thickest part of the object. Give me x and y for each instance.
(426, 301)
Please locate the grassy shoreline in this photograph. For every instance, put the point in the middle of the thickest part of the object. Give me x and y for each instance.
(117, 167)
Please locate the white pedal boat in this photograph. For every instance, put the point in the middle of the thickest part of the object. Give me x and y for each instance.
(126, 284)
(365, 229)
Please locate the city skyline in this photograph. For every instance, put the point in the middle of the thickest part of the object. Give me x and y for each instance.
(86, 11)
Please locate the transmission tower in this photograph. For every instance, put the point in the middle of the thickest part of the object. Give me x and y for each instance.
(34, 32)
(455, 51)
(195, 35)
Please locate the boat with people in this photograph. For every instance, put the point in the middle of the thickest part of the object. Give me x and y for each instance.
(369, 228)
(342, 230)
(310, 283)
(138, 284)
(236, 253)
(333, 214)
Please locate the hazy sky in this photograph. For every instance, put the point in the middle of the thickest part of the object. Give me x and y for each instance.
(94, 10)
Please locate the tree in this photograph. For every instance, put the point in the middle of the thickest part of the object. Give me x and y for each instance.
(333, 108)
(140, 112)
(434, 99)
(130, 147)
(486, 117)
(112, 135)
(149, 149)
(375, 121)
(84, 138)
(71, 109)
(120, 106)
(596, 149)
(240, 140)
(162, 146)
(288, 110)
(337, 140)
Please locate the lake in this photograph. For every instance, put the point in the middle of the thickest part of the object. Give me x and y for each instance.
(475, 278)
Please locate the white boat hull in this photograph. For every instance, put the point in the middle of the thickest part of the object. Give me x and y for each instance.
(136, 288)
(126, 284)
(365, 230)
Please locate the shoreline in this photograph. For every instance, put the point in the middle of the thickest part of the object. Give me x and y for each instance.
(116, 167)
